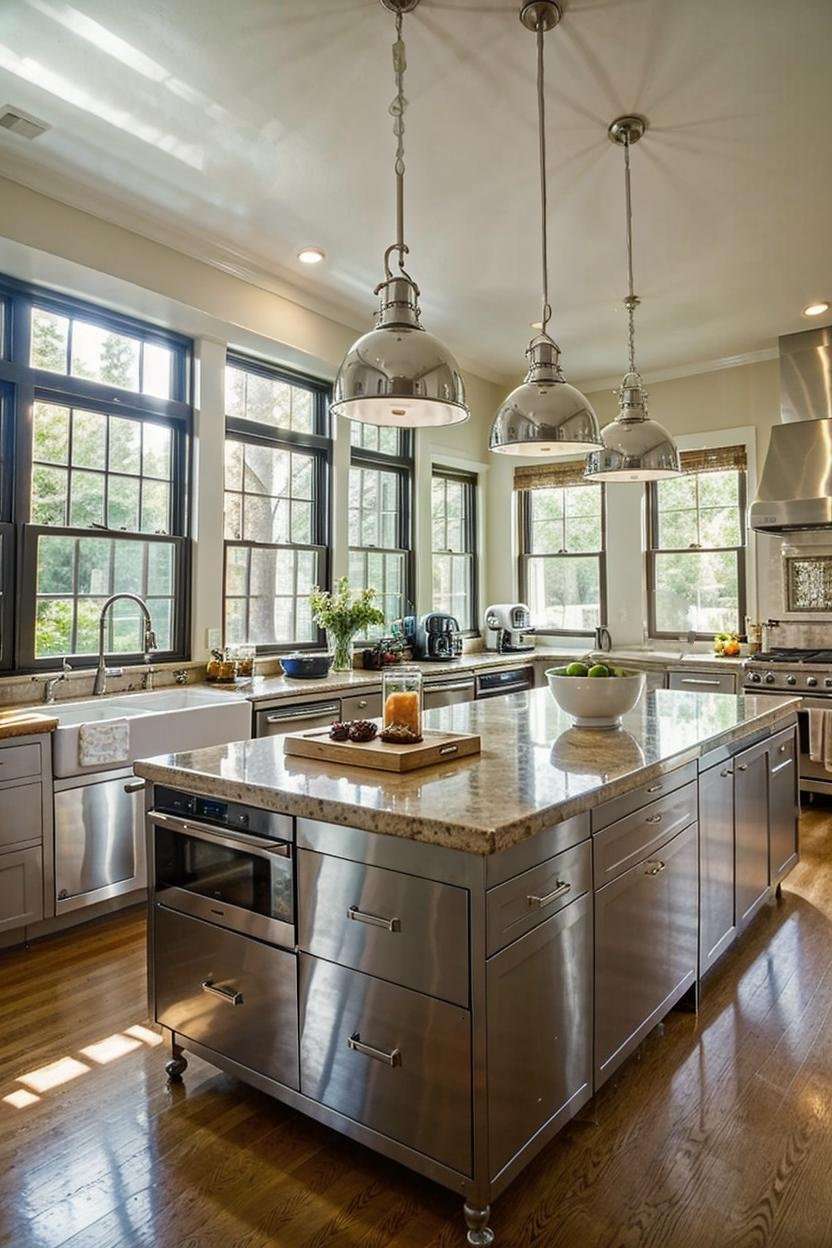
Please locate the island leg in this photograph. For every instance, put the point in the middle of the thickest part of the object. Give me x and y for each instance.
(178, 1064)
(480, 1233)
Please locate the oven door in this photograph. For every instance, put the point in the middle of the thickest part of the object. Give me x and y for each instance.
(242, 882)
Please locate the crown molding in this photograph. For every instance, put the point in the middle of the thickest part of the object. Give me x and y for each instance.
(687, 370)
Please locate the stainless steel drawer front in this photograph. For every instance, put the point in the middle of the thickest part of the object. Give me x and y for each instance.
(270, 723)
(640, 835)
(402, 928)
(393, 1059)
(704, 681)
(232, 994)
(522, 903)
(361, 706)
(617, 807)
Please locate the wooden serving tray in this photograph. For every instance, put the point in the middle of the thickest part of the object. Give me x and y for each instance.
(436, 747)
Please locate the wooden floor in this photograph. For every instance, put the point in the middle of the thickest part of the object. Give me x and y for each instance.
(717, 1135)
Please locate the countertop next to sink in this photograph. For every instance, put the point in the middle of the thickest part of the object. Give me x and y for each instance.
(25, 723)
(535, 768)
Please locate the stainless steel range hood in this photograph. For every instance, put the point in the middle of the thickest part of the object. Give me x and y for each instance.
(796, 486)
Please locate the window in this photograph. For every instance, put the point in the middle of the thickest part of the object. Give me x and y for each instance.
(562, 560)
(380, 487)
(696, 547)
(277, 460)
(97, 504)
(454, 545)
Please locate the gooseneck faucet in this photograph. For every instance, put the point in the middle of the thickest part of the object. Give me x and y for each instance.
(102, 671)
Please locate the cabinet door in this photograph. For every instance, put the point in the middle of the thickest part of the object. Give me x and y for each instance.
(751, 831)
(783, 807)
(646, 935)
(539, 1029)
(717, 920)
(21, 888)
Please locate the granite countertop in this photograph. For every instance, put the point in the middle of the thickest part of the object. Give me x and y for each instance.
(25, 723)
(535, 769)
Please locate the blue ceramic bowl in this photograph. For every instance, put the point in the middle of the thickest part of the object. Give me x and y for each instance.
(306, 666)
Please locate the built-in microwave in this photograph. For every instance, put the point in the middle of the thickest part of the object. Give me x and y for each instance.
(224, 862)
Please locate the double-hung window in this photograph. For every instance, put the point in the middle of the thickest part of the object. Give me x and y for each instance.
(101, 449)
(696, 555)
(562, 548)
(380, 526)
(454, 545)
(277, 470)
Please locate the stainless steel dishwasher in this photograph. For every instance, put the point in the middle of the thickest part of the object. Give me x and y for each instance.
(270, 721)
(99, 838)
(447, 691)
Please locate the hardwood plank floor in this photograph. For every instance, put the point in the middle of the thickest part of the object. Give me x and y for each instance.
(718, 1134)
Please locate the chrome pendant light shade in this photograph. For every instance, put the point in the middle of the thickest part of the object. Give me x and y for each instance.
(635, 448)
(544, 415)
(397, 374)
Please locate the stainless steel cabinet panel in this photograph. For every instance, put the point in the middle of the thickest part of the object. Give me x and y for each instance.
(522, 903)
(717, 919)
(296, 717)
(235, 995)
(751, 831)
(539, 1028)
(646, 930)
(623, 844)
(617, 807)
(705, 681)
(21, 814)
(510, 862)
(361, 706)
(393, 1059)
(21, 888)
(19, 760)
(400, 927)
(783, 804)
(449, 692)
(99, 842)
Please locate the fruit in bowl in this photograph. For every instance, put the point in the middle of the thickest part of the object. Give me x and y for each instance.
(596, 695)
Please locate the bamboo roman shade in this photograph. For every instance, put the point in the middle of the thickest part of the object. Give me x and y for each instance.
(550, 476)
(714, 459)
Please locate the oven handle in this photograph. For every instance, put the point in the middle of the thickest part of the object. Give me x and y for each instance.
(257, 845)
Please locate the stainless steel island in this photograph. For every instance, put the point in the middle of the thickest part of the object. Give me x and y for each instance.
(446, 965)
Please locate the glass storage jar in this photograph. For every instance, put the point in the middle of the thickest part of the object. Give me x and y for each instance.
(402, 705)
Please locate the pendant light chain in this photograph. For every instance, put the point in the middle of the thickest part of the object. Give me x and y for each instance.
(544, 204)
(632, 301)
(396, 110)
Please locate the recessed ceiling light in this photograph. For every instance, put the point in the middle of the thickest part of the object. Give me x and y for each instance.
(817, 309)
(311, 255)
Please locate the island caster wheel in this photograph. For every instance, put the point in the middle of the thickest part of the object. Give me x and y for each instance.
(176, 1068)
(480, 1234)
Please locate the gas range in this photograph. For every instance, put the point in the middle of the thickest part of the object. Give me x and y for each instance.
(790, 671)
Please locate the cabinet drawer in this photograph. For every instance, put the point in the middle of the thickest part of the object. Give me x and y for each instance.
(361, 706)
(399, 927)
(625, 843)
(21, 814)
(21, 888)
(235, 995)
(538, 848)
(520, 904)
(390, 1058)
(618, 807)
(704, 681)
(19, 760)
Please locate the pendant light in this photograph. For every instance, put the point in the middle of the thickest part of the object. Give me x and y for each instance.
(635, 448)
(544, 415)
(398, 374)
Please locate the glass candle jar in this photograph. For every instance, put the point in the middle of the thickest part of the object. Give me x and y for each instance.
(402, 699)
(245, 661)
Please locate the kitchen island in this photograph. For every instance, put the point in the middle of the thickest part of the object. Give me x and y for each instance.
(446, 965)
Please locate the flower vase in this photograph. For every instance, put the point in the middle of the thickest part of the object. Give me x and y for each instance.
(340, 647)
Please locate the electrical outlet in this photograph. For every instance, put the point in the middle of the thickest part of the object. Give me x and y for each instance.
(213, 638)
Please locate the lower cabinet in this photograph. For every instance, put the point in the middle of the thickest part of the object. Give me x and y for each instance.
(751, 831)
(21, 887)
(783, 805)
(717, 916)
(393, 1059)
(646, 936)
(539, 1028)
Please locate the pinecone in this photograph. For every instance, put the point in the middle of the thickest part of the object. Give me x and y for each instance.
(363, 730)
(340, 731)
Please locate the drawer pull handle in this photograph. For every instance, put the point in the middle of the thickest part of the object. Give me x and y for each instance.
(742, 766)
(560, 890)
(655, 788)
(781, 767)
(135, 786)
(653, 819)
(228, 995)
(373, 920)
(655, 868)
(697, 680)
(448, 749)
(726, 772)
(783, 749)
(393, 1058)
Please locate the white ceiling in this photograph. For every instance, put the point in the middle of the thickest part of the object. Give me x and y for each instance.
(248, 129)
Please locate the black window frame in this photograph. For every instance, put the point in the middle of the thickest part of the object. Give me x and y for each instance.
(470, 484)
(27, 385)
(319, 445)
(526, 554)
(403, 465)
(741, 552)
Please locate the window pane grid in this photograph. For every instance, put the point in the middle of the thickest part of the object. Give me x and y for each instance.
(269, 493)
(269, 400)
(454, 565)
(562, 560)
(383, 439)
(267, 593)
(74, 347)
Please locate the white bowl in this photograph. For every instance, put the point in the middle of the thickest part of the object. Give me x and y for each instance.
(596, 701)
